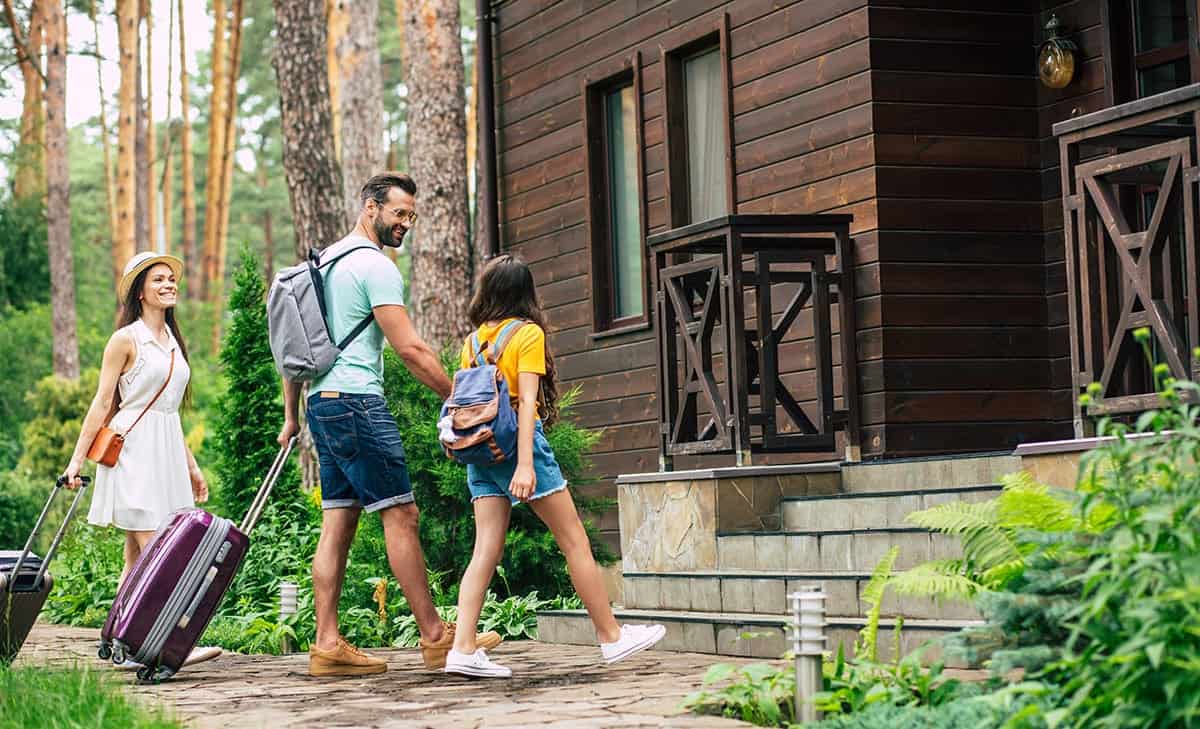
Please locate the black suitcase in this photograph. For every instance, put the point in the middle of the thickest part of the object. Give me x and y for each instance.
(25, 583)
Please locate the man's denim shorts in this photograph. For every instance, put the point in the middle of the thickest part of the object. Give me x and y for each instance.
(494, 480)
(358, 444)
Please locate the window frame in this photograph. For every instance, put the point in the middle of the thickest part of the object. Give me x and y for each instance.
(619, 74)
(1121, 61)
(713, 34)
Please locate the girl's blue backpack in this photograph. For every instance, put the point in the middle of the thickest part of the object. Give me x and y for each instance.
(478, 425)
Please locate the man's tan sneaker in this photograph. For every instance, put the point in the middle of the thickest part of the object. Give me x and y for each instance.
(345, 660)
(434, 654)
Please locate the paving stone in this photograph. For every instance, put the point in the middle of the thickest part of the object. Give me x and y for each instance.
(730, 642)
(769, 596)
(736, 552)
(705, 594)
(770, 552)
(675, 593)
(837, 552)
(737, 595)
(699, 637)
(803, 552)
(647, 592)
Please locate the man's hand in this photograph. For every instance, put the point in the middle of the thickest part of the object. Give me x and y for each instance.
(288, 431)
(523, 483)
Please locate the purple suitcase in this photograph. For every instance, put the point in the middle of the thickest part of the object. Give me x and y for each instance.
(177, 583)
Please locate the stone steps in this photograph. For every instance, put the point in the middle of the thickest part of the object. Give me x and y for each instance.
(846, 550)
(739, 591)
(873, 509)
(745, 634)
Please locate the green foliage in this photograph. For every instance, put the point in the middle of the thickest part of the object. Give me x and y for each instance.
(73, 698)
(867, 644)
(250, 412)
(20, 503)
(854, 686)
(759, 693)
(24, 266)
(994, 552)
(58, 408)
(532, 561)
(86, 569)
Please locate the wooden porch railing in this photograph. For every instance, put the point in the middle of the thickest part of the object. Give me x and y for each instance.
(720, 388)
(1129, 179)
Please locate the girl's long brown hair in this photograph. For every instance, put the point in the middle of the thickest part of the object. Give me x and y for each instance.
(506, 290)
(131, 311)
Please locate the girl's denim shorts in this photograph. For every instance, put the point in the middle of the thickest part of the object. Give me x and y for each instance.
(494, 480)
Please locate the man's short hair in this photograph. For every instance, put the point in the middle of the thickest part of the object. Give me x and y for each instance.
(377, 187)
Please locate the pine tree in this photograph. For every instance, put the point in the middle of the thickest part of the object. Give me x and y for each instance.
(250, 411)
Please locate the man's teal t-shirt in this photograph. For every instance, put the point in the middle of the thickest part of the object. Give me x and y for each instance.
(355, 285)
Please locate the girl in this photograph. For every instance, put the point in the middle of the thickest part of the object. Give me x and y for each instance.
(506, 292)
(144, 379)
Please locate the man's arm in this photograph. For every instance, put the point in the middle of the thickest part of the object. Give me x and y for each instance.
(291, 411)
(418, 356)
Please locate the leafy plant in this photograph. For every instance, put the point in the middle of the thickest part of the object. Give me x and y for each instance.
(20, 503)
(759, 693)
(86, 569)
(79, 698)
(867, 645)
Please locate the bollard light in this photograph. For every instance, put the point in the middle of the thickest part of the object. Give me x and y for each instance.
(808, 645)
(287, 608)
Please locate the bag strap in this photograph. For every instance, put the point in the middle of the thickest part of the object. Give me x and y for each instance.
(478, 359)
(156, 396)
(505, 336)
(315, 264)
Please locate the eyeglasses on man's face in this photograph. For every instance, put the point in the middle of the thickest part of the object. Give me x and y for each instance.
(407, 217)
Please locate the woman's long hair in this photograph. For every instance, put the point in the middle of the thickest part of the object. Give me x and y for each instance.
(131, 311)
(506, 290)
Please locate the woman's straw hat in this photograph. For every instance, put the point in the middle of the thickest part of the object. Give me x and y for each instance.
(140, 263)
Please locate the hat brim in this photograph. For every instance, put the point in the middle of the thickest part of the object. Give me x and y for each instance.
(127, 280)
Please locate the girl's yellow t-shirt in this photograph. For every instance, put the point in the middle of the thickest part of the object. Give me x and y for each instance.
(525, 352)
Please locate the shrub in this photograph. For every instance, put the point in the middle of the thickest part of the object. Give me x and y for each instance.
(24, 264)
(58, 407)
(20, 503)
(86, 570)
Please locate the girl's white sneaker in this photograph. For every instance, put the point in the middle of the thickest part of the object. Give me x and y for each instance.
(634, 638)
(475, 664)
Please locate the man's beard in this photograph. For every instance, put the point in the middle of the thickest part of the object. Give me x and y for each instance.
(384, 233)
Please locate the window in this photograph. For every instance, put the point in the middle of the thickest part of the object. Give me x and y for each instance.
(1149, 44)
(699, 155)
(615, 205)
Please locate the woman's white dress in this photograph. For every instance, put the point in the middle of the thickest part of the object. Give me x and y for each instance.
(150, 479)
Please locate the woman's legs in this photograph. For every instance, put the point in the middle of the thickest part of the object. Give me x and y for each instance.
(135, 542)
(491, 526)
(558, 512)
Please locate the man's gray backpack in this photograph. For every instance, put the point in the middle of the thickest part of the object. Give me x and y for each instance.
(301, 342)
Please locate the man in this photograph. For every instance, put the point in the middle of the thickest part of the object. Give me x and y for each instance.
(358, 444)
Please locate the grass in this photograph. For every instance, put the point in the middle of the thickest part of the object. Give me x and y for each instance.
(72, 698)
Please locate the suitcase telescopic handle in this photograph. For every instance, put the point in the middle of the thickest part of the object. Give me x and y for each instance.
(264, 490)
(58, 536)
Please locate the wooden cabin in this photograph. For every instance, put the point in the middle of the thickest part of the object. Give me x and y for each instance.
(625, 127)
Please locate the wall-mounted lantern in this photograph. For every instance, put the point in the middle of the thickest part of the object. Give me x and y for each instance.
(1056, 57)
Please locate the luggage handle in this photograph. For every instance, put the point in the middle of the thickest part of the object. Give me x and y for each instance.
(264, 490)
(58, 536)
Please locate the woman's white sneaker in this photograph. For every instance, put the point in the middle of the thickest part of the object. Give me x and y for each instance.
(475, 664)
(634, 638)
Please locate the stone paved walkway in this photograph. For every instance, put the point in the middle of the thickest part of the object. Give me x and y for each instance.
(554, 687)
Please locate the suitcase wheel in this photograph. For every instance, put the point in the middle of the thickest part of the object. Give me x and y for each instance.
(104, 651)
(153, 674)
(118, 654)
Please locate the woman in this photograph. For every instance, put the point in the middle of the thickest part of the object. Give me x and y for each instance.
(143, 380)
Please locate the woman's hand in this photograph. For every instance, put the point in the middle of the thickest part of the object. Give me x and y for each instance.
(71, 475)
(199, 486)
(524, 481)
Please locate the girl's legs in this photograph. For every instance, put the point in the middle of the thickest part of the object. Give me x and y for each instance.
(558, 512)
(135, 542)
(491, 526)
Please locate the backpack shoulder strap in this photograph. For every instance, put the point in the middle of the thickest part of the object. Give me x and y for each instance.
(505, 336)
(316, 256)
(477, 348)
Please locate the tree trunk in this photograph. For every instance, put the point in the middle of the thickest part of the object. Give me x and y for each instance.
(187, 168)
(30, 176)
(216, 146)
(361, 100)
(110, 181)
(441, 257)
(313, 177)
(127, 36)
(227, 155)
(141, 199)
(58, 191)
(337, 21)
(151, 179)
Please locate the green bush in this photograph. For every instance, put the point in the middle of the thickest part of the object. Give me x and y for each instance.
(78, 698)
(21, 501)
(86, 570)
(24, 264)
(58, 407)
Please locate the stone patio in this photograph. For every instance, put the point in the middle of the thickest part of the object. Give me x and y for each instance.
(554, 686)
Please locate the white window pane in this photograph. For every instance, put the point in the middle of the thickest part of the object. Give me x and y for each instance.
(625, 218)
(705, 136)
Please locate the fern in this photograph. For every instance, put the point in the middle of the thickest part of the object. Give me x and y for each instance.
(868, 637)
(942, 578)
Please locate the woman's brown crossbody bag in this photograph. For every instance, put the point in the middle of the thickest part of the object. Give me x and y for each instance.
(108, 443)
